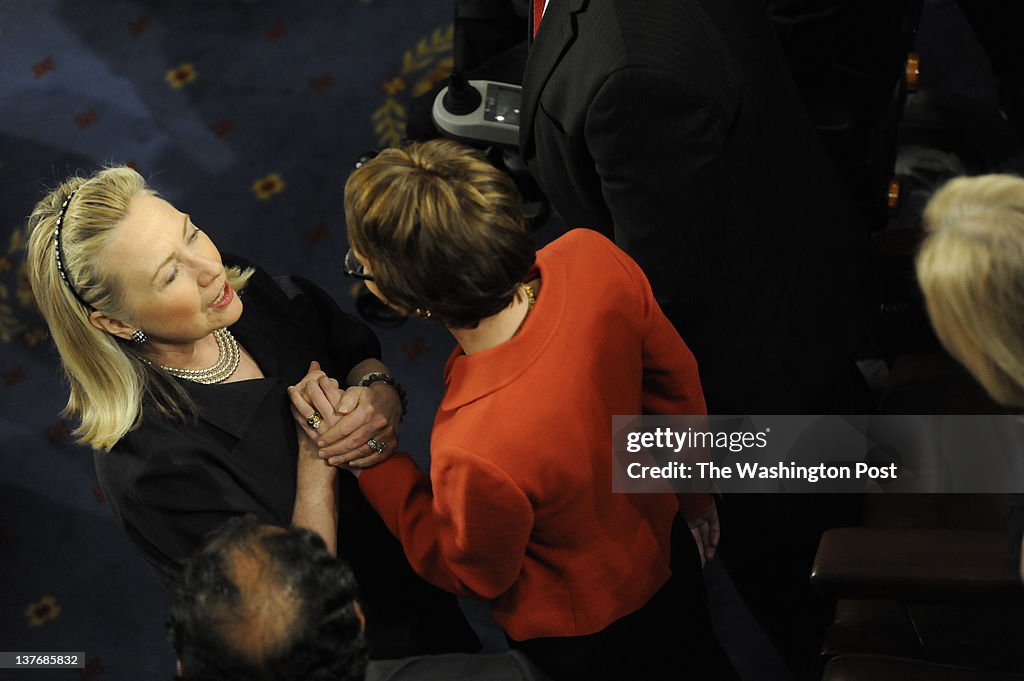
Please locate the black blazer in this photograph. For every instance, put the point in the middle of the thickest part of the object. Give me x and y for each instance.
(169, 484)
(673, 125)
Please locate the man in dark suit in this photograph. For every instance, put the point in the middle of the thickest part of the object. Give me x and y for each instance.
(674, 126)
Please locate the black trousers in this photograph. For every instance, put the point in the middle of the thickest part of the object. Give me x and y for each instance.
(670, 637)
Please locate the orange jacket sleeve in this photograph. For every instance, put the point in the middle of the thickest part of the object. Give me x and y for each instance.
(464, 530)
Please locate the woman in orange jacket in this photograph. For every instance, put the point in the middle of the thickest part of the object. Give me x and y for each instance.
(518, 507)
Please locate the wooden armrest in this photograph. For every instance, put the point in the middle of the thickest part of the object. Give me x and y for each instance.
(874, 668)
(915, 564)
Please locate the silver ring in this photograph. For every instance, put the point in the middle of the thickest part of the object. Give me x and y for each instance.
(315, 420)
(376, 446)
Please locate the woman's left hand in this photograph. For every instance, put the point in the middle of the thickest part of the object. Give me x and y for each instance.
(315, 393)
(366, 432)
(707, 531)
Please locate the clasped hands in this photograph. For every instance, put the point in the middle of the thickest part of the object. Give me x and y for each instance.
(358, 426)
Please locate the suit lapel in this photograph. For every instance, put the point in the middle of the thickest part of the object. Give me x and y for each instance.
(557, 33)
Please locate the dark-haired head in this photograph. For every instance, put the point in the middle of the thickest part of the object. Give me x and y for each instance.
(263, 602)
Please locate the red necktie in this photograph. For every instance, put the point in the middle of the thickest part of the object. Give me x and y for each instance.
(538, 13)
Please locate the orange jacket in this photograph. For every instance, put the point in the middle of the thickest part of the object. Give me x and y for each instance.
(518, 508)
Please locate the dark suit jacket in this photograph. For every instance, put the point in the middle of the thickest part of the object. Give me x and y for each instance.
(674, 126)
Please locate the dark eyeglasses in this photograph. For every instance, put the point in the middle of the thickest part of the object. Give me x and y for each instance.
(354, 268)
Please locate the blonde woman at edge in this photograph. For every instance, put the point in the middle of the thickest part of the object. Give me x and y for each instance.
(182, 391)
(971, 270)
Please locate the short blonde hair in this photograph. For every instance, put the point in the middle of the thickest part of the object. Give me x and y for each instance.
(442, 228)
(107, 381)
(971, 270)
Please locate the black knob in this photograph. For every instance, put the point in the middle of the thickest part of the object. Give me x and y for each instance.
(461, 98)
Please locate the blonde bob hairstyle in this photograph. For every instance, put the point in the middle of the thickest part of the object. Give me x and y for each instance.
(108, 382)
(442, 229)
(971, 270)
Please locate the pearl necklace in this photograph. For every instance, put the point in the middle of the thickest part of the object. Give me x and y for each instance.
(226, 364)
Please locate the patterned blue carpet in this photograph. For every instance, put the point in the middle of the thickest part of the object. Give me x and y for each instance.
(248, 115)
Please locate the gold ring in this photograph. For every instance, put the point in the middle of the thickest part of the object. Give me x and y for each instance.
(315, 420)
